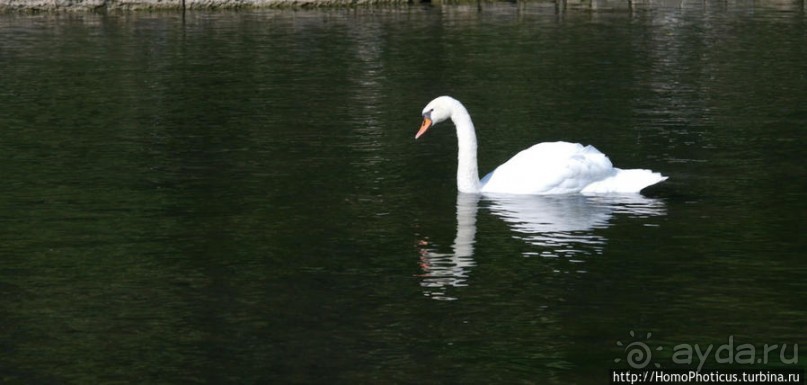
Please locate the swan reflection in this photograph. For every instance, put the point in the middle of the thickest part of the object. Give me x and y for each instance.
(558, 226)
(444, 270)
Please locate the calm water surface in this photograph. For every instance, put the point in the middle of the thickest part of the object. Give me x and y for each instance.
(237, 198)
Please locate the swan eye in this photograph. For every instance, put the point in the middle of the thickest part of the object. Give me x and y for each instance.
(428, 114)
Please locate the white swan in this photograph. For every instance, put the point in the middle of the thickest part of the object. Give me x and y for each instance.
(545, 168)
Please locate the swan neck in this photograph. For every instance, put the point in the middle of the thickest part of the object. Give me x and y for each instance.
(467, 170)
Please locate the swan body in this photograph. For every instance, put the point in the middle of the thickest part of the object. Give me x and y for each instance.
(545, 168)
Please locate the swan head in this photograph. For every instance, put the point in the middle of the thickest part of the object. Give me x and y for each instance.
(437, 111)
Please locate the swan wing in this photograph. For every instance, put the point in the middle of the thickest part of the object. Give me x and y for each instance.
(624, 181)
(549, 168)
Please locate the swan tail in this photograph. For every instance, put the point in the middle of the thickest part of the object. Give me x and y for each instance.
(625, 181)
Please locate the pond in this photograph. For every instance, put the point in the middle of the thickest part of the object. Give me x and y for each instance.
(237, 197)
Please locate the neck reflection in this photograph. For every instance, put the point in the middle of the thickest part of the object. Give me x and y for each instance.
(444, 270)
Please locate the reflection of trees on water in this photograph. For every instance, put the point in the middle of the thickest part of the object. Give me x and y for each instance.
(557, 227)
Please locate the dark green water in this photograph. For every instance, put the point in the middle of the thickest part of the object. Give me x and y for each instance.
(237, 198)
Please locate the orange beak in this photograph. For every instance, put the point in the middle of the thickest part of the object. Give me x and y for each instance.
(423, 127)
